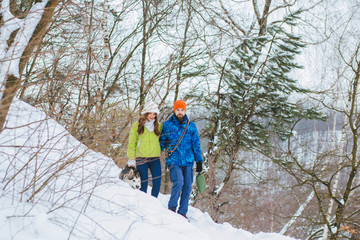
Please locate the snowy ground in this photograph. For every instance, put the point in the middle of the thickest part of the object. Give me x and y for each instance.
(75, 193)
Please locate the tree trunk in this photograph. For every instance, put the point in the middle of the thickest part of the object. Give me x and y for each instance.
(335, 186)
(143, 55)
(297, 214)
(182, 53)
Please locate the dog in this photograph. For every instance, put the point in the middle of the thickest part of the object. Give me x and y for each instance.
(131, 176)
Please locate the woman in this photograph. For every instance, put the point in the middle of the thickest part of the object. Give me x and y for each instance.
(143, 150)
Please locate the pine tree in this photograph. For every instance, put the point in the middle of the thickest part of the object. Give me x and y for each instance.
(255, 103)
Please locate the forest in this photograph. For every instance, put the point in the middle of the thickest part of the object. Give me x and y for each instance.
(271, 84)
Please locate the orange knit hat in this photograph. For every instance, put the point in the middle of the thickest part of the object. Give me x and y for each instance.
(179, 104)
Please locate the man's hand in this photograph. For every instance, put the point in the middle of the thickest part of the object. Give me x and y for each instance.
(199, 167)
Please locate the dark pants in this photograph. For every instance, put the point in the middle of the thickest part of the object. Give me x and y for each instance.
(182, 179)
(143, 165)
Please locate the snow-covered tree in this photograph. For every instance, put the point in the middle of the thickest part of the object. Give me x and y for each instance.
(23, 25)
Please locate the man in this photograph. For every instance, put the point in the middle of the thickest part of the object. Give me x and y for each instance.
(180, 139)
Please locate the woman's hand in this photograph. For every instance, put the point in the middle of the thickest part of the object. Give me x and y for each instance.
(131, 163)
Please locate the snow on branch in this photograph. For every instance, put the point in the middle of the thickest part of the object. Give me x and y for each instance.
(10, 55)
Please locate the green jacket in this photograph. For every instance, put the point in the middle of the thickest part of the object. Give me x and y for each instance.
(145, 145)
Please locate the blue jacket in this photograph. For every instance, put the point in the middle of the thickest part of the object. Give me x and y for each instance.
(189, 148)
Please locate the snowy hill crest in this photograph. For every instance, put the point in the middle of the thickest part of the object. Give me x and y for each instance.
(56, 188)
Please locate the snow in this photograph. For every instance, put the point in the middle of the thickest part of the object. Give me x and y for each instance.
(85, 200)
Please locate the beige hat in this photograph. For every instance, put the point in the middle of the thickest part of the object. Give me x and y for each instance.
(150, 106)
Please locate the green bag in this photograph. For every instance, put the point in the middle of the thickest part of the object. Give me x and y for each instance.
(200, 183)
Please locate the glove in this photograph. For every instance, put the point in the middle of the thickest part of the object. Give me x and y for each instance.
(131, 163)
(199, 167)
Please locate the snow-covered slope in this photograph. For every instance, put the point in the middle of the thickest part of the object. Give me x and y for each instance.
(53, 187)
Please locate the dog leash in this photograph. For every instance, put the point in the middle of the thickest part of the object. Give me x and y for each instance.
(167, 154)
